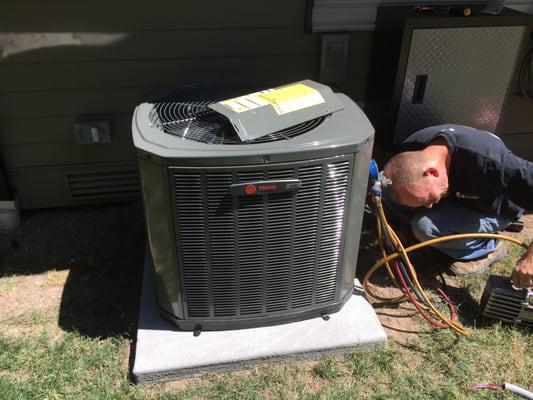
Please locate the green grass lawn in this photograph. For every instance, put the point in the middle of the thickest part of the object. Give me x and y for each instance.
(39, 363)
(440, 366)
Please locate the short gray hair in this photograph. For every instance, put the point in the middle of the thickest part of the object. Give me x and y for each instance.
(406, 168)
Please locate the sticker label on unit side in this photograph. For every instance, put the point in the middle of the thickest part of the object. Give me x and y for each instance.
(284, 100)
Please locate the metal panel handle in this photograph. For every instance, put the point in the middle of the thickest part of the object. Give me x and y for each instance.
(420, 89)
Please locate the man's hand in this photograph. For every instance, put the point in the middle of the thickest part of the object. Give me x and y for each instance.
(522, 276)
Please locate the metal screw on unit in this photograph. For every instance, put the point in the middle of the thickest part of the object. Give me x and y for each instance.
(266, 159)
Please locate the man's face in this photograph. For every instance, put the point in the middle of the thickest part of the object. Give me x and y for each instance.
(429, 192)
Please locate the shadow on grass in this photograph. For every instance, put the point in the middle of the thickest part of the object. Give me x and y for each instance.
(103, 249)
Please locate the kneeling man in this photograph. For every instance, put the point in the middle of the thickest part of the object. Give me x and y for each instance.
(457, 179)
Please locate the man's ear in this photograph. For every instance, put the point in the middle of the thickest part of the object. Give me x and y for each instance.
(431, 171)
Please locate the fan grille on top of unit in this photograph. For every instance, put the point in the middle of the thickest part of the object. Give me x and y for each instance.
(197, 122)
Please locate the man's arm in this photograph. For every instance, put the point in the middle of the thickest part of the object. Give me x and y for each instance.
(522, 276)
(517, 178)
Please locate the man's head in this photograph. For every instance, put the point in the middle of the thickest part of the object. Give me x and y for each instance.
(419, 178)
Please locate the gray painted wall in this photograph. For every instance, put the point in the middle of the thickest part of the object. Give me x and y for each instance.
(62, 62)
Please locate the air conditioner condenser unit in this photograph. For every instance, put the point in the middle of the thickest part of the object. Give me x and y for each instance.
(253, 201)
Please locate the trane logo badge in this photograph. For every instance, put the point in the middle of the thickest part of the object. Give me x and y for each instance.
(253, 189)
(265, 187)
(250, 189)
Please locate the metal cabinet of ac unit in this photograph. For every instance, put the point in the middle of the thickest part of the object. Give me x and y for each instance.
(431, 66)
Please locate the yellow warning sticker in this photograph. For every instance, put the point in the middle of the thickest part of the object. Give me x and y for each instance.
(284, 100)
(293, 98)
(246, 103)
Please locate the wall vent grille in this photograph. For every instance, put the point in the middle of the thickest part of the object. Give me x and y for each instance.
(105, 185)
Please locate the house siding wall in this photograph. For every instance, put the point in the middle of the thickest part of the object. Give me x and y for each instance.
(62, 62)
(67, 61)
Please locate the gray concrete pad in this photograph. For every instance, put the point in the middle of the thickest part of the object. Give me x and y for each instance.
(164, 353)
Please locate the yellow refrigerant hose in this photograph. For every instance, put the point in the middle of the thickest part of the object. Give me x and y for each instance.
(385, 232)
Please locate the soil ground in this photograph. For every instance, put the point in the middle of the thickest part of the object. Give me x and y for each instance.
(73, 269)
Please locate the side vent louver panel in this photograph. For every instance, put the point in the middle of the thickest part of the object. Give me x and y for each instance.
(245, 256)
(331, 235)
(278, 244)
(251, 248)
(193, 240)
(305, 235)
(222, 251)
